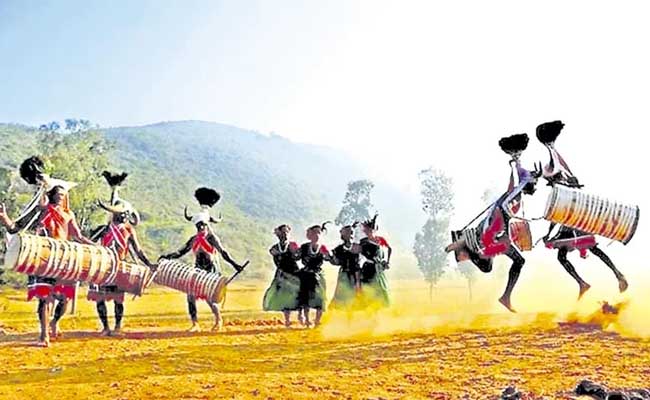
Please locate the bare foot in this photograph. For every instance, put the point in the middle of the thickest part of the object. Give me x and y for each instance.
(194, 328)
(622, 284)
(105, 332)
(583, 289)
(287, 324)
(218, 326)
(55, 332)
(506, 303)
(43, 342)
(117, 331)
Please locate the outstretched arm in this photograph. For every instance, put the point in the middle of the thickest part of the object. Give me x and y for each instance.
(214, 241)
(20, 224)
(75, 232)
(550, 229)
(180, 252)
(135, 245)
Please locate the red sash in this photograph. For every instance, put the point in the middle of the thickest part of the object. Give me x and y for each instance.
(201, 243)
(492, 247)
(56, 222)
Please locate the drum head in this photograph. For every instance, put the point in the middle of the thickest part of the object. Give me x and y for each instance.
(221, 290)
(13, 251)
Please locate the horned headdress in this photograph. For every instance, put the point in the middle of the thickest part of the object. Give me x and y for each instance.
(118, 205)
(207, 198)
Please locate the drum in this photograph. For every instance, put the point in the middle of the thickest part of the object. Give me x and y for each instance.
(592, 214)
(193, 281)
(520, 235)
(69, 261)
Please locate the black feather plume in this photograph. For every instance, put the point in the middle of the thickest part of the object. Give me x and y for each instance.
(31, 169)
(207, 197)
(514, 144)
(549, 131)
(114, 179)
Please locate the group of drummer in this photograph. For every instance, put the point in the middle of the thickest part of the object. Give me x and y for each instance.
(49, 214)
(361, 279)
(362, 261)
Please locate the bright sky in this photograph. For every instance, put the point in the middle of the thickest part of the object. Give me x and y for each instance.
(402, 84)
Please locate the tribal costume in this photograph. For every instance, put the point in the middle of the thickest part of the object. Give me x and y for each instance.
(282, 294)
(205, 245)
(374, 284)
(312, 281)
(119, 235)
(564, 238)
(491, 237)
(48, 214)
(348, 283)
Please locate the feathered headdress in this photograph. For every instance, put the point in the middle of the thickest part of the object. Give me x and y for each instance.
(118, 205)
(207, 198)
(514, 145)
(371, 223)
(32, 170)
(547, 133)
(322, 227)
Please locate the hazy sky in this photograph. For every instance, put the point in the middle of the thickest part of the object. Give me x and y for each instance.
(403, 84)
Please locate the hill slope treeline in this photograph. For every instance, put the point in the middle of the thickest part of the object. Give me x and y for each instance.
(265, 180)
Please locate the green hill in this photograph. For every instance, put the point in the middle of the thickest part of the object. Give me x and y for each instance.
(265, 180)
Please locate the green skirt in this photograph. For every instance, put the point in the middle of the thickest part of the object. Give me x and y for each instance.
(375, 291)
(345, 293)
(312, 290)
(282, 295)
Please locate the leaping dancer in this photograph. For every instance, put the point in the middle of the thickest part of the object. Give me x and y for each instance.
(561, 237)
(491, 237)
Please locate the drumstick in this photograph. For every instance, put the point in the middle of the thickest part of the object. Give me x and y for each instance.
(145, 285)
(238, 272)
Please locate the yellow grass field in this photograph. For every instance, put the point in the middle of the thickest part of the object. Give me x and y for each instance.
(416, 350)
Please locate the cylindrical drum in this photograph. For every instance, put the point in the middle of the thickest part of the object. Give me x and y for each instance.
(520, 235)
(69, 261)
(193, 281)
(592, 214)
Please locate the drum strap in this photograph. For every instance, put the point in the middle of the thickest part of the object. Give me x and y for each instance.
(117, 236)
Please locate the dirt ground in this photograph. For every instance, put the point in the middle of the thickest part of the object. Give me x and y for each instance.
(397, 354)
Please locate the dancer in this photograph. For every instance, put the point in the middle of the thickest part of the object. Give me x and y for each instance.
(374, 284)
(48, 214)
(561, 237)
(491, 237)
(205, 244)
(119, 234)
(283, 293)
(348, 283)
(312, 281)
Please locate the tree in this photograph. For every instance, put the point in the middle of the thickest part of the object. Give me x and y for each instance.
(437, 203)
(356, 203)
(429, 250)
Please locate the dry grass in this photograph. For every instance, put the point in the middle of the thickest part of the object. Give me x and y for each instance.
(415, 350)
